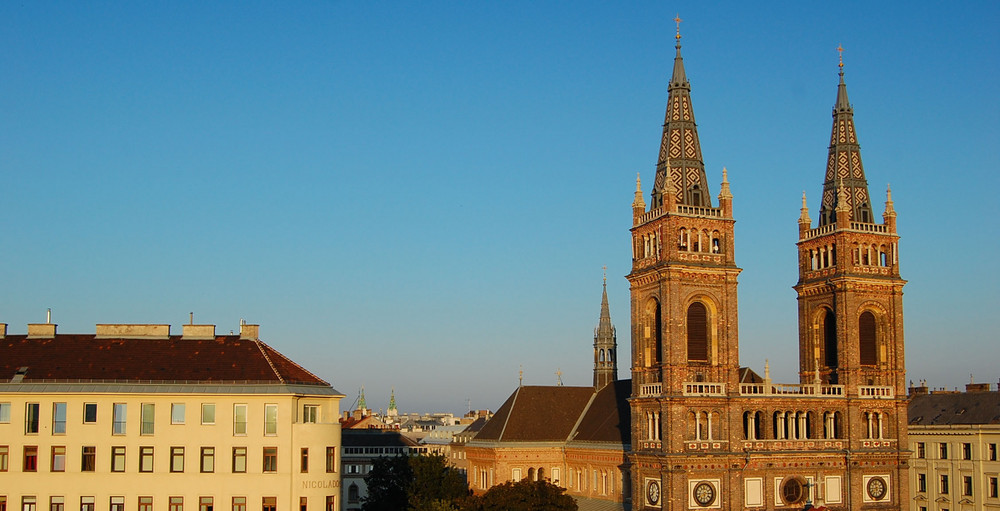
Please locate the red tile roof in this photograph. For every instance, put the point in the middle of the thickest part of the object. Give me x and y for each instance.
(226, 358)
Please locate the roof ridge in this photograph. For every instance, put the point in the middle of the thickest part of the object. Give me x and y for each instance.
(579, 419)
(510, 412)
(258, 342)
(290, 361)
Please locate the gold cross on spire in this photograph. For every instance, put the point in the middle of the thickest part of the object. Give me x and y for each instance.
(605, 268)
(840, 51)
(678, 20)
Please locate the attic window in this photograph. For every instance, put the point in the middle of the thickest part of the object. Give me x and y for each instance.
(960, 412)
(19, 374)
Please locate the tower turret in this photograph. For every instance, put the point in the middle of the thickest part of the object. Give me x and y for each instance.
(605, 344)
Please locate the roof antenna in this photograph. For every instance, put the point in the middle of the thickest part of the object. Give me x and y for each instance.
(192, 318)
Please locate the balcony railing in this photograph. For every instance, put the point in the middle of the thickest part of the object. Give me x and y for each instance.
(704, 389)
(789, 389)
(650, 389)
(875, 392)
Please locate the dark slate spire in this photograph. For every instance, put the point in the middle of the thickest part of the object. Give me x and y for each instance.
(843, 165)
(680, 158)
(605, 344)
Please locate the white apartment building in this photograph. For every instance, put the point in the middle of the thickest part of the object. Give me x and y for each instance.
(132, 418)
(954, 437)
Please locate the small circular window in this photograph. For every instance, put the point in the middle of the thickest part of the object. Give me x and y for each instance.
(793, 490)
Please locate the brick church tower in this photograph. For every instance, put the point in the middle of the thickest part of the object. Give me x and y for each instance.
(707, 434)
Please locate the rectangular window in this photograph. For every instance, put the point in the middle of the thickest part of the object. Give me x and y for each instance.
(58, 458)
(118, 459)
(208, 459)
(943, 451)
(148, 416)
(176, 503)
(31, 418)
(269, 504)
(967, 485)
(28, 503)
(205, 504)
(239, 420)
(4, 413)
(208, 413)
(921, 450)
(58, 418)
(921, 483)
(117, 504)
(30, 458)
(310, 414)
(270, 420)
(303, 504)
(239, 504)
(88, 459)
(177, 413)
(304, 465)
(331, 459)
(944, 484)
(176, 459)
(145, 503)
(270, 459)
(239, 460)
(120, 411)
(331, 503)
(87, 503)
(57, 503)
(993, 488)
(966, 451)
(90, 413)
(145, 459)
(4, 457)
(991, 452)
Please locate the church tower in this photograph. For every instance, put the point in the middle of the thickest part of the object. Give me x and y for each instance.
(685, 353)
(850, 293)
(605, 345)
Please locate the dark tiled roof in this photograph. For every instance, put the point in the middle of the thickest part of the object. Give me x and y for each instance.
(955, 408)
(608, 418)
(374, 438)
(88, 358)
(748, 375)
(537, 414)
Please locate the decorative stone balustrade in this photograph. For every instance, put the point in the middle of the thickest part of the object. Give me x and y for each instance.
(650, 389)
(704, 389)
(790, 389)
(875, 392)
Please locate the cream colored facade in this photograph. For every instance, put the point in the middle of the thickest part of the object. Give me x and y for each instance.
(161, 445)
(955, 467)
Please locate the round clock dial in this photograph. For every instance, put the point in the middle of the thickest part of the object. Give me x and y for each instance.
(704, 494)
(876, 488)
(653, 492)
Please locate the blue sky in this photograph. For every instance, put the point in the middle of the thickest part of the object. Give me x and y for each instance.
(421, 195)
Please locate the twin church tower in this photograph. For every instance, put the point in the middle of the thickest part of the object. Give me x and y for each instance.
(706, 433)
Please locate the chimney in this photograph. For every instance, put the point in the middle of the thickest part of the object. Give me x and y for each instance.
(249, 332)
(41, 330)
(198, 332)
(131, 331)
(3, 330)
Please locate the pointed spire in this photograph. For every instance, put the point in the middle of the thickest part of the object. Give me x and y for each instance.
(392, 399)
(724, 192)
(889, 209)
(843, 166)
(678, 77)
(605, 343)
(362, 404)
(804, 216)
(638, 203)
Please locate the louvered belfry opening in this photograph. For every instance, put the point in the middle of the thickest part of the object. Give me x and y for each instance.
(697, 332)
(868, 347)
(830, 338)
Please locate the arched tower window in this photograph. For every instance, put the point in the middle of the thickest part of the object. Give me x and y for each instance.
(697, 332)
(868, 345)
(653, 332)
(830, 339)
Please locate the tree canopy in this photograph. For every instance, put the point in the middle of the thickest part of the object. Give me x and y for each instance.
(417, 483)
(524, 495)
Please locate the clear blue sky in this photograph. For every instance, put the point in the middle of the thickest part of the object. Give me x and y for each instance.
(422, 194)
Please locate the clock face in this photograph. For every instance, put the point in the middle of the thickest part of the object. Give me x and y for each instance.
(876, 488)
(653, 492)
(704, 494)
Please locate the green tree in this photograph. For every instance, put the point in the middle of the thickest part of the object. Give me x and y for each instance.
(524, 495)
(416, 483)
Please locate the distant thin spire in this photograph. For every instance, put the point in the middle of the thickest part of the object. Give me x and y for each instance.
(804, 216)
(889, 209)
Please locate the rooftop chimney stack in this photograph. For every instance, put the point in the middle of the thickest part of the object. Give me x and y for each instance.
(249, 332)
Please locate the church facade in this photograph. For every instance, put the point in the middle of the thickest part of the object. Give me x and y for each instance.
(702, 437)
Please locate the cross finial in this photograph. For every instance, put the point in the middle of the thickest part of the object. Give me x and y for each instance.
(840, 51)
(605, 268)
(678, 20)
(520, 376)
(559, 377)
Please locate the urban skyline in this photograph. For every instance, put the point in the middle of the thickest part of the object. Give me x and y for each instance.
(423, 197)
